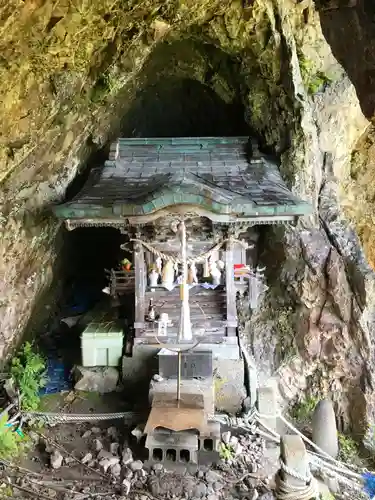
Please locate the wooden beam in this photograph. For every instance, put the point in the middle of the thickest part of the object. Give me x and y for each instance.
(140, 286)
(230, 291)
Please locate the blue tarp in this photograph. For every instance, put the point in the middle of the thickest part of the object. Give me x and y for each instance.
(57, 378)
(83, 298)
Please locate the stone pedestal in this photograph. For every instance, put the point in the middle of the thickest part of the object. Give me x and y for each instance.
(267, 405)
(229, 382)
(294, 455)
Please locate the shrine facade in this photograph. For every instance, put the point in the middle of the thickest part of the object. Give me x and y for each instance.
(220, 188)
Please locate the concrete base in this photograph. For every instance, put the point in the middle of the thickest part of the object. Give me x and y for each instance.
(229, 373)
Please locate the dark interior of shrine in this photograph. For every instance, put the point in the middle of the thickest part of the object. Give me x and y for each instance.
(87, 254)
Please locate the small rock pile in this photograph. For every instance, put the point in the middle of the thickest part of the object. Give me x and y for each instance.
(241, 454)
(108, 457)
(244, 452)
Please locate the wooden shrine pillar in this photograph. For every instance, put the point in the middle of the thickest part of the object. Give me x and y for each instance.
(230, 291)
(140, 286)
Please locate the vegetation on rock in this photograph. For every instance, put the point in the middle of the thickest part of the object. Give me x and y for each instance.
(303, 410)
(9, 440)
(348, 449)
(313, 79)
(28, 371)
(359, 192)
(226, 451)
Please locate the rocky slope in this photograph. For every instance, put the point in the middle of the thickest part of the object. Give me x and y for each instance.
(84, 72)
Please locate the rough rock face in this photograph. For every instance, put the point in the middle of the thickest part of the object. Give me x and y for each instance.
(85, 72)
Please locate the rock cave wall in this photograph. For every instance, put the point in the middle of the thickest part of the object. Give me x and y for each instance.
(85, 72)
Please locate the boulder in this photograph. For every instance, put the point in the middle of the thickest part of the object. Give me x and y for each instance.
(324, 429)
(96, 379)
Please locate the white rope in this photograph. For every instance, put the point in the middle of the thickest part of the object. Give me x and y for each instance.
(287, 491)
(178, 260)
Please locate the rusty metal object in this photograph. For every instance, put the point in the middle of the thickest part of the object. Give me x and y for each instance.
(176, 419)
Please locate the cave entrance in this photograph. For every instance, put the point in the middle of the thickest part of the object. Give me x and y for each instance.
(183, 107)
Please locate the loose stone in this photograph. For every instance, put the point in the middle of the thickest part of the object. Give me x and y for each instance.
(217, 486)
(126, 485)
(87, 458)
(137, 465)
(112, 432)
(127, 456)
(141, 473)
(98, 445)
(238, 449)
(127, 473)
(225, 437)
(56, 459)
(106, 463)
(200, 490)
(233, 441)
(114, 448)
(104, 454)
(86, 434)
(212, 476)
(116, 470)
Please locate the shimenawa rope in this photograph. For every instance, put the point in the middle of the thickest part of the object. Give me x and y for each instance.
(191, 260)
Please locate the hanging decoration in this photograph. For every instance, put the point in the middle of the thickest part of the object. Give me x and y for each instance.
(189, 260)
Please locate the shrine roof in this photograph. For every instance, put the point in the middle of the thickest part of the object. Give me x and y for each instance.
(218, 174)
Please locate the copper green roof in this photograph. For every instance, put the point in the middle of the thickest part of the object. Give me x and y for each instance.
(218, 174)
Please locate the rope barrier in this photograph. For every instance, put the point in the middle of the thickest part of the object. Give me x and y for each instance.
(62, 418)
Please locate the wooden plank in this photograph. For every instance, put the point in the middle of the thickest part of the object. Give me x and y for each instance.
(140, 285)
(231, 291)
